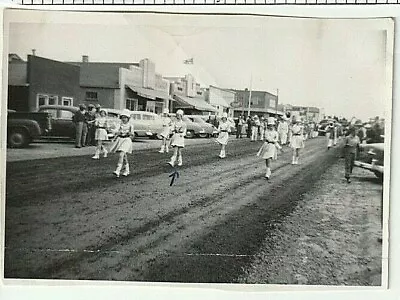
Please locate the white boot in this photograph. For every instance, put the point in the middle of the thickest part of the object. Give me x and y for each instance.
(162, 149)
(126, 171)
(166, 149)
(268, 173)
(180, 160)
(297, 160)
(172, 161)
(105, 152)
(223, 154)
(97, 154)
(293, 160)
(118, 170)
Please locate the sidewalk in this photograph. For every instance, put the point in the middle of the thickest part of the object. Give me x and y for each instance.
(52, 149)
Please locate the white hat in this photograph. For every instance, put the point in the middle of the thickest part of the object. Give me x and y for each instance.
(271, 121)
(165, 111)
(225, 115)
(179, 112)
(126, 113)
(103, 109)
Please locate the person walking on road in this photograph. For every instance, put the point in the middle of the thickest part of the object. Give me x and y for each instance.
(79, 120)
(283, 130)
(268, 150)
(330, 134)
(223, 134)
(239, 127)
(178, 138)
(101, 126)
(166, 131)
(352, 141)
(249, 122)
(297, 141)
(122, 143)
(255, 127)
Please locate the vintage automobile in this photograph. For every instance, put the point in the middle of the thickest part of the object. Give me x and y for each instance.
(146, 124)
(25, 127)
(371, 157)
(209, 129)
(62, 125)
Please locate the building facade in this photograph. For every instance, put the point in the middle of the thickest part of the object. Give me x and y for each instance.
(262, 103)
(307, 113)
(221, 99)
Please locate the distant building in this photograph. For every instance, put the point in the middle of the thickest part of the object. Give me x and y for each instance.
(308, 113)
(221, 99)
(262, 103)
(188, 96)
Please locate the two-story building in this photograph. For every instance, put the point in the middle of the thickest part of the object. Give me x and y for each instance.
(262, 103)
(221, 99)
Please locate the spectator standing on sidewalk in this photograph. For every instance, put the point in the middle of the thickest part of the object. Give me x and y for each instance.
(352, 141)
(283, 130)
(249, 125)
(79, 121)
(239, 127)
(91, 117)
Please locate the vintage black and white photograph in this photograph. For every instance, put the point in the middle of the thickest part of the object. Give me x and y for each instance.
(194, 148)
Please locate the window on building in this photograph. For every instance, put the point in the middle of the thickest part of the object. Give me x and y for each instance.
(92, 96)
(151, 106)
(43, 99)
(67, 101)
(53, 100)
(179, 88)
(131, 104)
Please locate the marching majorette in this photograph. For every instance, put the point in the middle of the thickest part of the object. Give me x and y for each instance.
(178, 138)
(100, 135)
(335, 133)
(297, 141)
(123, 143)
(283, 130)
(268, 150)
(254, 128)
(330, 134)
(166, 131)
(223, 129)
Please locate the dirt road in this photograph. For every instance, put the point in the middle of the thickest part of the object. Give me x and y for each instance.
(68, 218)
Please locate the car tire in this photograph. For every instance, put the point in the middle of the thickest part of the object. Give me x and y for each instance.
(203, 135)
(190, 134)
(18, 138)
(379, 175)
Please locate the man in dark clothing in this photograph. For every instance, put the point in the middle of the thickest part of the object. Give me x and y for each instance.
(90, 118)
(249, 125)
(79, 121)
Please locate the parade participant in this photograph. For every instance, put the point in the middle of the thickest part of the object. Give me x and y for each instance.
(361, 132)
(335, 132)
(101, 134)
(97, 113)
(268, 150)
(165, 133)
(90, 118)
(330, 134)
(223, 136)
(239, 128)
(79, 120)
(263, 128)
(350, 148)
(178, 138)
(249, 122)
(283, 129)
(122, 143)
(254, 128)
(297, 141)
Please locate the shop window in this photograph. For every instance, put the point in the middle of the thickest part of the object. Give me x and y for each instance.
(53, 100)
(151, 106)
(180, 89)
(67, 101)
(131, 104)
(92, 96)
(43, 99)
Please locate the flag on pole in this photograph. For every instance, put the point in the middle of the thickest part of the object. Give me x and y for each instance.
(188, 61)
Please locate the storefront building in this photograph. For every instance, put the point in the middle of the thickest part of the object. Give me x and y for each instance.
(221, 99)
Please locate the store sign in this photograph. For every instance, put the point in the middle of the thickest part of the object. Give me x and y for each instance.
(235, 104)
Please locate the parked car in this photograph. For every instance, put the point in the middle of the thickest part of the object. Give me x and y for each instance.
(371, 157)
(146, 124)
(61, 121)
(192, 129)
(210, 130)
(24, 127)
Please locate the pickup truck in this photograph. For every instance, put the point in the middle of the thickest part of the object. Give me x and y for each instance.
(24, 127)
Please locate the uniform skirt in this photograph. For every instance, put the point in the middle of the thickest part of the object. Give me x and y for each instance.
(122, 144)
(101, 134)
(165, 133)
(223, 138)
(267, 150)
(297, 142)
(178, 140)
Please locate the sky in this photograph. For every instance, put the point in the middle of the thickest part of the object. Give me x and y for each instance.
(335, 65)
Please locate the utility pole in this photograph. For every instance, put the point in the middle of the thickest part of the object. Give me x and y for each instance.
(276, 104)
(251, 82)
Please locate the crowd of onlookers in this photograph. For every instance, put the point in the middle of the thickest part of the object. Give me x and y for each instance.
(84, 120)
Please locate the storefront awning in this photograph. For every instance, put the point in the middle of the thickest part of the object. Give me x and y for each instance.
(148, 93)
(196, 103)
(273, 111)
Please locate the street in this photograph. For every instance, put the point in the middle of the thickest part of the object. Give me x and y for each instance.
(69, 218)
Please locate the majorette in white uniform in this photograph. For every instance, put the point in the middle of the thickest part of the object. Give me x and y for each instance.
(100, 135)
(123, 143)
(223, 136)
(268, 150)
(283, 130)
(178, 138)
(166, 131)
(297, 141)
